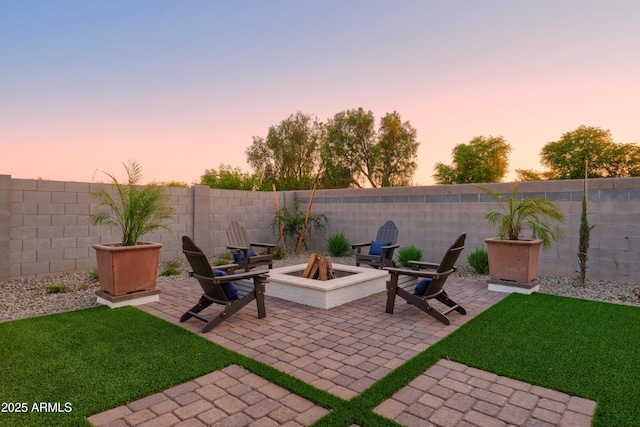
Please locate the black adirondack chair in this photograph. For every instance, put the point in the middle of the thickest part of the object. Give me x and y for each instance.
(245, 287)
(381, 250)
(241, 247)
(438, 273)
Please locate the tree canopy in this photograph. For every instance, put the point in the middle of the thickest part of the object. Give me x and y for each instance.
(354, 155)
(396, 152)
(348, 153)
(594, 146)
(230, 178)
(290, 154)
(481, 160)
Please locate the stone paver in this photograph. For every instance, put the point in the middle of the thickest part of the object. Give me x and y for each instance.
(210, 408)
(516, 404)
(342, 351)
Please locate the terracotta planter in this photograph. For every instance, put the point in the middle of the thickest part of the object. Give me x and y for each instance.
(127, 269)
(513, 260)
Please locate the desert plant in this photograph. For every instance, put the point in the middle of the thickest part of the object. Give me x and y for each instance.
(479, 260)
(409, 253)
(338, 244)
(225, 257)
(136, 210)
(540, 216)
(279, 252)
(171, 268)
(293, 222)
(585, 236)
(57, 289)
(93, 275)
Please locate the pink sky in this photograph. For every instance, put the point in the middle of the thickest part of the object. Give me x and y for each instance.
(183, 86)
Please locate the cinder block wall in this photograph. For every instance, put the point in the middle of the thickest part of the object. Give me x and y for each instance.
(215, 209)
(432, 217)
(44, 225)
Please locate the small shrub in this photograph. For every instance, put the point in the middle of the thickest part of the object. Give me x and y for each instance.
(93, 275)
(479, 260)
(224, 258)
(338, 244)
(57, 289)
(171, 268)
(279, 253)
(409, 253)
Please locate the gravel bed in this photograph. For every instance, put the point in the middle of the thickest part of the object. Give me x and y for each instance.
(595, 290)
(28, 297)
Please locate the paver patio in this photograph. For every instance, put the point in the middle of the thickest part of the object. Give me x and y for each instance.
(343, 350)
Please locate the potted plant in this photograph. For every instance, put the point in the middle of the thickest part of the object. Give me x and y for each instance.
(131, 265)
(513, 260)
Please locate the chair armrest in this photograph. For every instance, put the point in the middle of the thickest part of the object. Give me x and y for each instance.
(359, 245)
(417, 273)
(240, 276)
(217, 280)
(241, 248)
(264, 245)
(227, 268)
(385, 248)
(422, 264)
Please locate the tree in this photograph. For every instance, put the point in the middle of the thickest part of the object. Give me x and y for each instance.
(289, 156)
(227, 177)
(174, 184)
(532, 175)
(481, 160)
(528, 175)
(395, 153)
(566, 157)
(347, 155)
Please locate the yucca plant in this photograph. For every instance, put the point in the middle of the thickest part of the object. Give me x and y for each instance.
(136, 210)
(538, 215)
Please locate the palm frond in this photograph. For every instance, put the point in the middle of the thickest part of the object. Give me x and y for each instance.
(136, 210)
(540, 216)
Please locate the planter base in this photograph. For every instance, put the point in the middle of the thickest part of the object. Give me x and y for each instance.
(135, 298)
(510, 286)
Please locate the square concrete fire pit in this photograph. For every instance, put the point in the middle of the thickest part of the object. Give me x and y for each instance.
(351, 283)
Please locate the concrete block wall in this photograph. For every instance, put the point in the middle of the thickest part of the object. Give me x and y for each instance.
(44, 225)
(45, 229)
(5, 223)
(432, 217)
(215, 209)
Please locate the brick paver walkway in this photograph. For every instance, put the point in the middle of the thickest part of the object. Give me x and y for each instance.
(452, 394)
(343, 350)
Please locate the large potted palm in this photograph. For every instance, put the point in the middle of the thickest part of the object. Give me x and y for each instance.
(130, 266)
(513, 260)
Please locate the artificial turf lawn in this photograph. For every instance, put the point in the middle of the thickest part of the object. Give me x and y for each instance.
(583, 348)
(98, 359)
(101, 358)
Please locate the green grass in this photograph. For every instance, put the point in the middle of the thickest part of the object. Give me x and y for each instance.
(579, 347)
(98, 359)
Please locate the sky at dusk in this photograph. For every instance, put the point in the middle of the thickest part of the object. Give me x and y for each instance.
(182, 86)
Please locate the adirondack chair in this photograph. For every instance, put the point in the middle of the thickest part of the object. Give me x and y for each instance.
(241, 248)
(381, 249)
(223, 287)
(436, 275)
